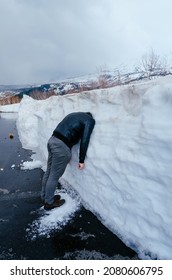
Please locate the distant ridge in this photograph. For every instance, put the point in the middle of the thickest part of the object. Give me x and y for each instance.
(10, 94)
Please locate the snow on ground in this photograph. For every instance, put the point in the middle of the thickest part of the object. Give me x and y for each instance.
(127, 178)
(10, 108)
(9, 111)
(29, 165)
(57, 218)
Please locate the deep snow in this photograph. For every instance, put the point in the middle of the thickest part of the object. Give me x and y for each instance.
(127, 178)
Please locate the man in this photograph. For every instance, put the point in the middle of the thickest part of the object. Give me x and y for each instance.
(74, 127)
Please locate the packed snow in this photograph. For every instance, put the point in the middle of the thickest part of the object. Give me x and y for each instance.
(127, 178)
(56, 218)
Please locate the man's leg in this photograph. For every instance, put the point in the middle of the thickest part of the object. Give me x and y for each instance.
(60, 156)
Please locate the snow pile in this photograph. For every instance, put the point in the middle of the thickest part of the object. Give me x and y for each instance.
(29, 165)
(10, 108)
(57, 218)
(9, 111)
(127, 178)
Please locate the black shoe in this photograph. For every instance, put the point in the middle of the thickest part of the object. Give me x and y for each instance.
(56, 198)
(54, 204)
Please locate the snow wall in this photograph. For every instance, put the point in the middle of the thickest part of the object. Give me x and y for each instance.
(127, 180)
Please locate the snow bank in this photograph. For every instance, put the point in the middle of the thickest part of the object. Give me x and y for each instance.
(9, 108)
(9, 111)
(127, 178)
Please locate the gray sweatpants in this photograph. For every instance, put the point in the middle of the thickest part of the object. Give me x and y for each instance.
(59, 156)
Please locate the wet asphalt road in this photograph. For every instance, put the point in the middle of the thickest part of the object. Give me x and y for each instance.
(19, 200)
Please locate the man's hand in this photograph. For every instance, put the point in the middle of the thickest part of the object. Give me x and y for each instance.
(81, 166)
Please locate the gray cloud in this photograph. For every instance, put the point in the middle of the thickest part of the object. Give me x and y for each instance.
(43, 40)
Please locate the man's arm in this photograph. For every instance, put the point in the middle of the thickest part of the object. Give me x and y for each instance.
(88, 128)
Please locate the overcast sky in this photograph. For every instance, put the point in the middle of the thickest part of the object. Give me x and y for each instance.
(48, 40)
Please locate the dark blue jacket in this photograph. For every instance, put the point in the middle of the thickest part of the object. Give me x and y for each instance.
(74, 127)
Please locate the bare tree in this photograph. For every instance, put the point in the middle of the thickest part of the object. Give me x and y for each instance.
(150, 61)
(152, 65)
